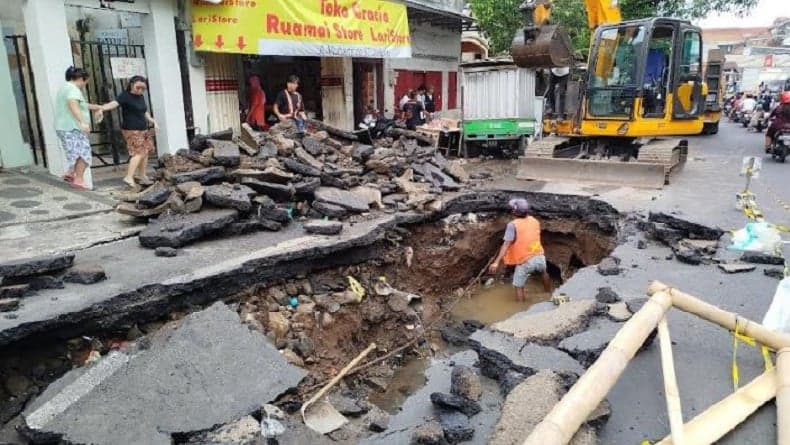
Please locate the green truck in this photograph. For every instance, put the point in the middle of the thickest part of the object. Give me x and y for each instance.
(500, 108)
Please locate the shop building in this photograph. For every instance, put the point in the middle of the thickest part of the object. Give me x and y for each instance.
(193, 89)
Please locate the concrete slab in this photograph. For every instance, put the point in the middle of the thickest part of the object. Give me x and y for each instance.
(543, 327)
(528, 404)
(587, 346)
(65, 235)
(145, 395)
(500, 352)
(417, 410)
(32, 195)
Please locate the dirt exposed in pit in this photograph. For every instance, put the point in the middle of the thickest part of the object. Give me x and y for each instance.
(445, 256)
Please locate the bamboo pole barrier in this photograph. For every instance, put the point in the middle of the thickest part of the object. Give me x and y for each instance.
(723, 416)
(783, 396)
(559, 426)
(688, 303)
(671, 391)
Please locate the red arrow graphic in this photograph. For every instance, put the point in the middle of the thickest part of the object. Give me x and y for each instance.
(198, 40)
(219, 42)
(240, 43)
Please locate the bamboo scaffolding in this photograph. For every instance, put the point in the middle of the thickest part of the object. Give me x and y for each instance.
(559, 426)
(671, 391)
(688, 303)
(783, 396)
(723, 416)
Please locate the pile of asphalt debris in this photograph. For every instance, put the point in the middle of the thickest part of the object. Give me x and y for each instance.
(263, 181)
(21, 278)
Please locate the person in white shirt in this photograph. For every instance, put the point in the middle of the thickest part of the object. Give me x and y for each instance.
(748, 105)
(404, 99)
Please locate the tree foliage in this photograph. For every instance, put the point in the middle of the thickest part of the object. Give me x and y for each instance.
(500, 19)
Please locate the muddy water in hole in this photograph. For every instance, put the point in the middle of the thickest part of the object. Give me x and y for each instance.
(498, 302)
(487, 305)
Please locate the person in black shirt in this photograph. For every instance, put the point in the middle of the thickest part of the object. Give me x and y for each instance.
(412, 111)
(430, 102)
(135, 120)
(289, 104)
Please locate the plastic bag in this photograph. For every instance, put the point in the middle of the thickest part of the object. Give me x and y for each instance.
(778, 315)
(757, 237)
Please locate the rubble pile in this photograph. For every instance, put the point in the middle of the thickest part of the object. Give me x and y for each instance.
(310, 315)
(21, 278)
(262, 181)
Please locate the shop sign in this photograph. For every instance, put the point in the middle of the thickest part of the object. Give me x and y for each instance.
(126, 67)
(328, 28)
(112, 36)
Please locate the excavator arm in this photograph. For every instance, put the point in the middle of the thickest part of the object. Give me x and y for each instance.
(541, 44)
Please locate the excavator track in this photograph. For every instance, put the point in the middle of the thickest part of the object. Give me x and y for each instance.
(657, 158)
(669, 152)
(544, 148)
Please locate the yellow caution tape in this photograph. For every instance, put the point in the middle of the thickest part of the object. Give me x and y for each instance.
(356, 288)
(738, 337)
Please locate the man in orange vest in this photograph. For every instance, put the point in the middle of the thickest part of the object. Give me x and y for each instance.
(522, 248)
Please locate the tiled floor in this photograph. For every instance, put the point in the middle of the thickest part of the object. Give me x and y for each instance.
(33, 195)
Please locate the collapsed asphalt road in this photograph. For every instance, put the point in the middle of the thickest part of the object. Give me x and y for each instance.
(702, 351)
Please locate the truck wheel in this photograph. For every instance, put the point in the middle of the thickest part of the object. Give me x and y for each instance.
(522, 146)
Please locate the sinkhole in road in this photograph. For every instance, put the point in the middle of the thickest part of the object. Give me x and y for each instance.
(316, 323)
(427, 265)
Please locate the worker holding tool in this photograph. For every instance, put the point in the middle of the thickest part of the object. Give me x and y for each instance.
(522, 248)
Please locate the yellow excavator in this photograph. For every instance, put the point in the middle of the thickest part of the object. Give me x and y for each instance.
(643, 87)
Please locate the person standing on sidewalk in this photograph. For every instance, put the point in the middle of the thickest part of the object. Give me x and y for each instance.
(522, 248)
(135, 120)
(289, 105)
(72, 124)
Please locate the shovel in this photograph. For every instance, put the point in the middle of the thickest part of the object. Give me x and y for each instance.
(319, 415)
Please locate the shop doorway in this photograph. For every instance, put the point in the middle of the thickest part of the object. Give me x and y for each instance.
(25, 95)
(368, 88)
(274, 71)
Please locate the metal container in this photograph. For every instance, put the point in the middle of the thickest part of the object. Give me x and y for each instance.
(498, 91)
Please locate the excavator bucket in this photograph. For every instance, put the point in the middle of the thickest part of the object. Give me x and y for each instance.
(630, 174)
(545, 47)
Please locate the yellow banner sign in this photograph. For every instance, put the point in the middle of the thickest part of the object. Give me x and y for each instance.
(340, 28)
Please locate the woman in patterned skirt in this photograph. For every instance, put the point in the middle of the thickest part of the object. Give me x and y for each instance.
(72, 124)
(135, 120)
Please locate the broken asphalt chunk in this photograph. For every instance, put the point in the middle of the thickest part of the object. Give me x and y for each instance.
(233, 196)
(36, 265)
(203, 175)
(145, 395)
(342, 198)
(457, 403)
(322, 227)
(85, 274)
(179, 230)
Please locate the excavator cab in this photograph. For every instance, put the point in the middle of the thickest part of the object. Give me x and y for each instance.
(648, 75)
(644, 83)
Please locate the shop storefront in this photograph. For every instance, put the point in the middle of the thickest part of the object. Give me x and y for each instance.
(348, 55)
(335, 47)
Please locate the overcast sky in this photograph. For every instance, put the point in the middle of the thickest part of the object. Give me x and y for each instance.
(762, 15)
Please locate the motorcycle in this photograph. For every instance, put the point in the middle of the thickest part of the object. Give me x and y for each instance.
(758, 120)
(780, 147)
